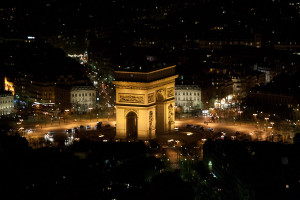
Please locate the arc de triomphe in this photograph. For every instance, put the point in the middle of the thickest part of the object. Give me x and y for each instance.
(145, 103)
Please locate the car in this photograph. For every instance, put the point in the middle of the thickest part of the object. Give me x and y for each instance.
(223, 133)
(210, 129)
(199, 127)
(75, 130)
(88, 127)
(49, 136)
(189, 126)
(99, 123)
(107, 125)
(69, 131)
(97, 127)
(81, 127)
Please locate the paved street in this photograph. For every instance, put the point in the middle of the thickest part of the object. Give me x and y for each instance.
(181, 133)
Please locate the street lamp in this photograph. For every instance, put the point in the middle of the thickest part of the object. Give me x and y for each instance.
(240, 112)
(254, 114)
(90, 113)
(45, 113)
(266, 118)
(255, 119)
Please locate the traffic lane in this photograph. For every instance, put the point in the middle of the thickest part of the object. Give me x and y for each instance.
(229, 128)
(40, 132)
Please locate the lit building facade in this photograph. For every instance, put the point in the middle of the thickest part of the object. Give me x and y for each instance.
(9, 86)
(145, 103)
(83, 98)
(6, 103)
(188, 97)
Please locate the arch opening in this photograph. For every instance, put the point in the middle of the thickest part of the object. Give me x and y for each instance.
(131, 125)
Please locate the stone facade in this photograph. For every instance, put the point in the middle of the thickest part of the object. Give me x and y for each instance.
(83, 98)
(151, 99)
(6, 103)
(188, 97)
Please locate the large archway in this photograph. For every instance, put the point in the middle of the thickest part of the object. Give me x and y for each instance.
(131, 125)
(143, 102)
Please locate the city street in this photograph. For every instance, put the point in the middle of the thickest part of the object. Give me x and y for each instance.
(181, 133)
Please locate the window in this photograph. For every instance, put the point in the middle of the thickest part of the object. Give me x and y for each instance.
(80, 95)
(90, 94)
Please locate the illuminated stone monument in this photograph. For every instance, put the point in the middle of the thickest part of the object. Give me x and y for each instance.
(145, 103)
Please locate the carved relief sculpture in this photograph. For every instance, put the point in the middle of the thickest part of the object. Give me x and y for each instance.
(151, 98)
(170, 92)
(150, 120)
(160, 95)
(131, 98)
(171, 114)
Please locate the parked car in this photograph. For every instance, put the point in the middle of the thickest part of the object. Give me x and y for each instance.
(49, 136)
(97, 127)
(210, 129)
(199, 127)
(189, 126)
(69, 131)
(99, 124)
(88, 127)
(81, 127)
(75, 130)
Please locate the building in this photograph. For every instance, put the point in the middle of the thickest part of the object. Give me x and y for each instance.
(6, 103)
(83, 98)
(145, 103)
(188, 97)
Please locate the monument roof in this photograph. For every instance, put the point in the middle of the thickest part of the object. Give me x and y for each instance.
(147, 76)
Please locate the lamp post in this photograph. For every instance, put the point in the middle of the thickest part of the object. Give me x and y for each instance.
(255, 119)
(240, 112)
(90, 113)
(266, 126)
(45, 113)
(272, 123)
(266, 118)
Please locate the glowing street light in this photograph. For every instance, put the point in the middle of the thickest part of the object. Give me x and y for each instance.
(266, 118)
(90, 113)
(240, 112)
(256, 122)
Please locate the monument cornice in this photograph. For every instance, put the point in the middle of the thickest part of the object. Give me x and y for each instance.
(143, 85)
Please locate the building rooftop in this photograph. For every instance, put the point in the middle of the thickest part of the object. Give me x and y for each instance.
(84, 87)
